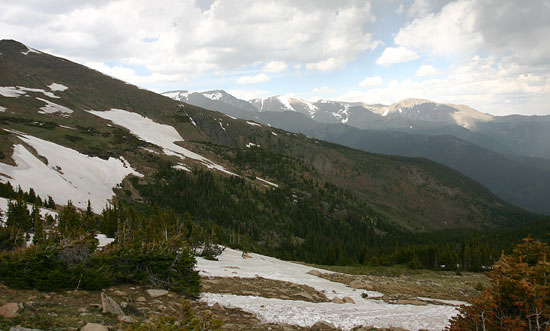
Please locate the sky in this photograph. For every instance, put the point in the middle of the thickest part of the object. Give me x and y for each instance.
(493, 55)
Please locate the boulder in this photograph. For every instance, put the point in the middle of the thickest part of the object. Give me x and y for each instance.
(155, 293)
(110, 305)
(20, 328)
(411, 302)
(348, 300)
(9, 310)
(322, 325)
(218, 307)
(126, 319)
(304, 295)
(94, 327)
(314, 273)
(338, 300)
(141, 299)
(360, 285)
(119, 293)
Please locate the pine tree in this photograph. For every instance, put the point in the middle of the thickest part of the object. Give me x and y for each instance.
(38, 226)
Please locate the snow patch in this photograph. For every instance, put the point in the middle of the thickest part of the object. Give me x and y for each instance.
(177, 95)
(253, 123)
(386, 112)
(365, 312)
(51, 108)
(234, 118)
(31, 50)
(10, 92)
(103, 240)
(15, 92)
(285, 100)
(4, 209)
(273, 133)
(67, 175)
(267, 182)
(181, 166)
(221, 125)
(213, 96)
(155, 133)
(252, 145)
(3, 109)
(57, 87)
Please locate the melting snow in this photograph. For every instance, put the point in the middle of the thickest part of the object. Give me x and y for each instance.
(51, 108)
(10, 92)
(285, 100)
(4, 209)
(30, 50)
(3, 109)
(57, 87)
(103, 240)
(364, 312)
(267, 182)
(68, 174)
(213, 96)
(15, 92)
(155, 133)
(221, 125)
(253, 123)
(252, 145)
(181, 166)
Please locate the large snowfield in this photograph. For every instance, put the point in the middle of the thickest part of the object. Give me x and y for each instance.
(365, 312)
(67, 175)
(155, 133)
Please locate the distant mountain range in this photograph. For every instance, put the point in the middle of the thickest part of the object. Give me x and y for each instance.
(508, 154)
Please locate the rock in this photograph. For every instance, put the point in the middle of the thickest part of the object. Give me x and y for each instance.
(338, 300)
(304, 295)
(9, 310)
(141, 299)
(83, 310)
(218, 307)
(123, 304)
(110, 305)
(119, 293)
(321, 325)
(314, 273)
(348, 300)
(411, 302)
(20, 328)
(126, 319)
(360, 285)
(155, 293)
(94, 327)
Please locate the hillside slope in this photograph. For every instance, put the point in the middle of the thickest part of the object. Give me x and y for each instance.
(280, 189)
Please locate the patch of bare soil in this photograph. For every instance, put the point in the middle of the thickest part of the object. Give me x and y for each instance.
(262, 287)
(441, 285)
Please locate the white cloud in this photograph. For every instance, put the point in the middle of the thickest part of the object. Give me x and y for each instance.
(323, 90)
(484, 83)
(427, 70)
(518, 29)
(259, 78)
(371, 81)
(178, 37)
(326, 65)
(275, 66)
(392, 55)
(248, 94)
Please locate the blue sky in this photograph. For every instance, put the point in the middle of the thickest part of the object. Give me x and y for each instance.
(490, 54)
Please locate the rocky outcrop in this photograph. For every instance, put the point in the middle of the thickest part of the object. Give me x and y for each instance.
(9, 310)
(110, 306)
(155, 293)
(94, 327)
(360, 285)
